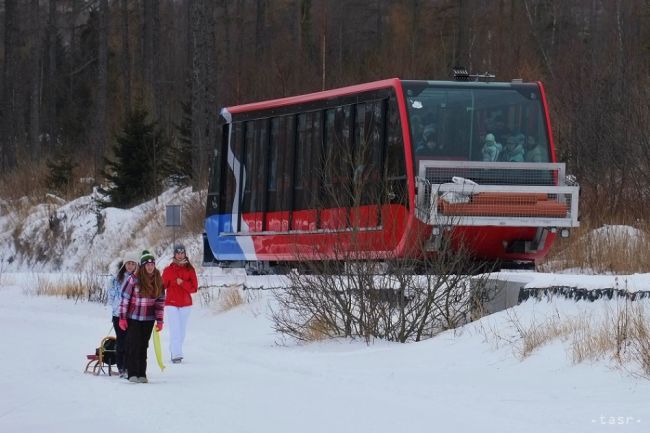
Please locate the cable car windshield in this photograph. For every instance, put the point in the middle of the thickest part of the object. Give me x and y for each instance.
(477, 122)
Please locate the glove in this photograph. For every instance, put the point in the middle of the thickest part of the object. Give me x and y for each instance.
(159, 326)
(123, 324)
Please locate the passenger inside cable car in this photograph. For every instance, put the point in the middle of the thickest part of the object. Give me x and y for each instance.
(514, 148)
(491, 149)
(429, 144)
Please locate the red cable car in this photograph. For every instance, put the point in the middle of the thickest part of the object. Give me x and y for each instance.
(385, 170)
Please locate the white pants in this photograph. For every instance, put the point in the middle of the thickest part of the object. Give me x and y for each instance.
(176, 321)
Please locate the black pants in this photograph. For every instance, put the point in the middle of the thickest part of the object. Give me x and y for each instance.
(137, 342)
(120, 345)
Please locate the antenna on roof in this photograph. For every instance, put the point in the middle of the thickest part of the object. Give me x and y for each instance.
(460, 74)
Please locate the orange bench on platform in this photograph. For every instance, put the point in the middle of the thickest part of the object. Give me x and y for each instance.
(508, 198)
(505, 204)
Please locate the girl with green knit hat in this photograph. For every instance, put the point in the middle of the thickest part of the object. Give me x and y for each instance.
(143, 302)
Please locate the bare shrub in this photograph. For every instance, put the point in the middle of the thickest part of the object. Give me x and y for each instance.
(347, 288)
(398, 305)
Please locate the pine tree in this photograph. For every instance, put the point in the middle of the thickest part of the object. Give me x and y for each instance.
(60, 169)
(139, 165)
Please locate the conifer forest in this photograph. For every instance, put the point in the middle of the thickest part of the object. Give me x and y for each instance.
(75, 72)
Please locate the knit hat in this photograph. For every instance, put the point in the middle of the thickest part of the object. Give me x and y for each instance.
(179, 248)
(147, 257)
(130, 257)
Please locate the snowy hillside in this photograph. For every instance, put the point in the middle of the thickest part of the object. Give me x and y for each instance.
(56, 235)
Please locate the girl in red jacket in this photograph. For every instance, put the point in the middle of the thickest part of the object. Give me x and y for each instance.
(180, 282)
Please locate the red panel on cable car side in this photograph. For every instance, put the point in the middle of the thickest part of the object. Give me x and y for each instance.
(379, 242)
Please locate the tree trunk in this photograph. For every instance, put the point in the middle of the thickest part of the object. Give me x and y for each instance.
(212, 94)
(147, 54)
(199, 86)
(260, 34)
(35, 82)
(102, 84)
(51, 74)
(240, 6)
(462, 47)
(151, 56)
(540, 44)
(155, 64)
(126, 56)
(7, 137)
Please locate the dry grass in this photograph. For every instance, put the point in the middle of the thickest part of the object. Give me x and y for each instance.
(26, 180)
(590, 341)
(640, 347)
(29, 179)
(230, 298)
(70, 288)
(194, 213)
(602, 250)
(85, 286)
(222, 298)
(621, 334)
(536, 335)
(317, 330)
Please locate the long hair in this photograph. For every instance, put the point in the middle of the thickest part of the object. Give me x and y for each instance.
(151, 286)
(121, 270)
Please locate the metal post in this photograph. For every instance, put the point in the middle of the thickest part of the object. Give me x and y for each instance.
(173, 219)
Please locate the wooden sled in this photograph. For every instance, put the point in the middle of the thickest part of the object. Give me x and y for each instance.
(105, 356)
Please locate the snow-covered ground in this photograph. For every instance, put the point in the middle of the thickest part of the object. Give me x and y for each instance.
(237, 378)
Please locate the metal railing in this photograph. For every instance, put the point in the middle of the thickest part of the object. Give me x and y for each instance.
(517, 194)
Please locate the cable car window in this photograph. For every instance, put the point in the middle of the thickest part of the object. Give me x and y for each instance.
(477, 123)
